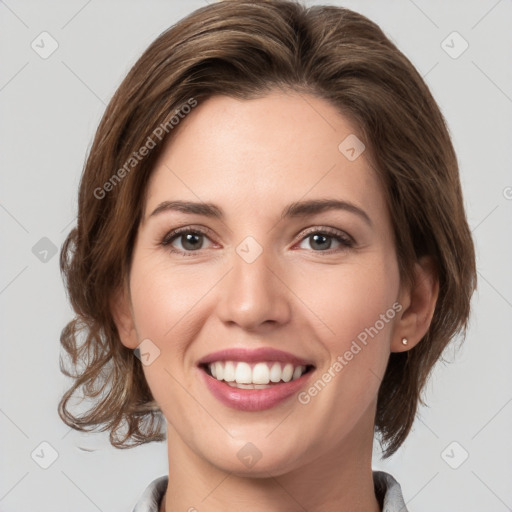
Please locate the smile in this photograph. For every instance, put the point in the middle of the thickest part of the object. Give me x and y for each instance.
(254, 380)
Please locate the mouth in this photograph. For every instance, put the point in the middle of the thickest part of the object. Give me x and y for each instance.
(254, 380)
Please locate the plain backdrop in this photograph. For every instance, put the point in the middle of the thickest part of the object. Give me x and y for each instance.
(459, 455)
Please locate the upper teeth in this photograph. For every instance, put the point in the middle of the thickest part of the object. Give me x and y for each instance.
(259, 373)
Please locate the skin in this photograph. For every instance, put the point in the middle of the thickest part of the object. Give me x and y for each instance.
(252, 159)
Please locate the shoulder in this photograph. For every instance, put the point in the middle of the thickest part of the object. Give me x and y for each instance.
(389, 492)
(152, 496)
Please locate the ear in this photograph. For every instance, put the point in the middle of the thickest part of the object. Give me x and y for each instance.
(122, 314)
(418, 301)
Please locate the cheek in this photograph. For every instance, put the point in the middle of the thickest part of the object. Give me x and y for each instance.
(163, 303)
(350, 300)
(164, 299)
(358, 304)
(168, 310)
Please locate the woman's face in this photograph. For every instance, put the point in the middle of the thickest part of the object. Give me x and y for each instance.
(263, 285)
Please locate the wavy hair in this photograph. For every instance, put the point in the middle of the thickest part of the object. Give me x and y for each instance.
(245, 49)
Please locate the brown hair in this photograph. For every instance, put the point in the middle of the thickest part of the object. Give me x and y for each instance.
(244, 49)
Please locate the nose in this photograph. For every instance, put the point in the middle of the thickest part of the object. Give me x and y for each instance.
(254, 295)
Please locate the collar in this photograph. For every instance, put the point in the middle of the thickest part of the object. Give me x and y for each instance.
(387, 490)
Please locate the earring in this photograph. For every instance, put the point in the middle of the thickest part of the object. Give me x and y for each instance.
(404, 341)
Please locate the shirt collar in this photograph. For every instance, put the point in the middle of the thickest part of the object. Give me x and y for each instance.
(387, 489)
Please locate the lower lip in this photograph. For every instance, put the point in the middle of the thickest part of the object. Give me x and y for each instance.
(253, 399)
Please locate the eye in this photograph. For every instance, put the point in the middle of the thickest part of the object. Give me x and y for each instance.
(191, 240)
(321, 240)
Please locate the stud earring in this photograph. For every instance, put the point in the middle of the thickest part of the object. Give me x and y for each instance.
(405, 341)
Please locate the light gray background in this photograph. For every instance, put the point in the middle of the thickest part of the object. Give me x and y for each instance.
(49, 111)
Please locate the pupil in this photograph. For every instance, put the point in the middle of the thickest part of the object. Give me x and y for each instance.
(316, 237)
(193, 240)
(190, 240)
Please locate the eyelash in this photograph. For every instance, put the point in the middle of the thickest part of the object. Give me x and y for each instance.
(346, 241)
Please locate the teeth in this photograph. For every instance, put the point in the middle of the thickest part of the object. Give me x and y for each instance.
(219, 371)
(275, 372)
(261, 375)
(249, 386)
(229, 372)
(297, 372)
(243, 373)
(287, 372)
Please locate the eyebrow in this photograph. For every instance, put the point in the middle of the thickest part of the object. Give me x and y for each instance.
(293, 210)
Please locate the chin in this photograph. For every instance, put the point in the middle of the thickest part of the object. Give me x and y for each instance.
(260, 458)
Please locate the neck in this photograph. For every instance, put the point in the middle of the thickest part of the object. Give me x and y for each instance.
(338, 480)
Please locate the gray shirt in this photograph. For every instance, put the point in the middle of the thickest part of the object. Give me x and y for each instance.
(387, 490)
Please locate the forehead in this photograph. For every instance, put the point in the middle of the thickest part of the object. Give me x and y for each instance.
(253, 154)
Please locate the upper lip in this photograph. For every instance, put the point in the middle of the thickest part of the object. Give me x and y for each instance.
(253, 355)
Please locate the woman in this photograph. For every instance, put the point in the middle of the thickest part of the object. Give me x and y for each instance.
(271, 255)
